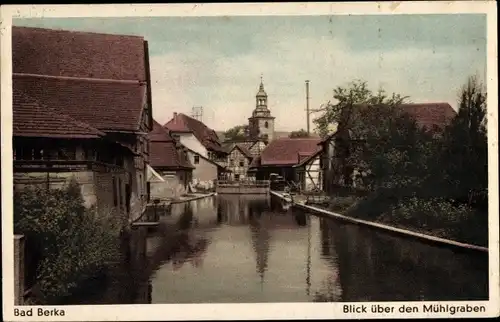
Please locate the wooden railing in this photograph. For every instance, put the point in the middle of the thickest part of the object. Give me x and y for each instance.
(253, 183)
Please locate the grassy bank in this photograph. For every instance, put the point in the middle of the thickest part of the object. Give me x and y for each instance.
(433, 216)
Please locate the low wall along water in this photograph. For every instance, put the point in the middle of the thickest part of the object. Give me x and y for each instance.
(242, 187)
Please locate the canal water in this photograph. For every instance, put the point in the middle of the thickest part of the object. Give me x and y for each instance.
(247, 249)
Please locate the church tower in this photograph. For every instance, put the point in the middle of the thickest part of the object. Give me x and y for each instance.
(261, 124)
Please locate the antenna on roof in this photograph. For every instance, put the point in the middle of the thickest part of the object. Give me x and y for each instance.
(197, 113)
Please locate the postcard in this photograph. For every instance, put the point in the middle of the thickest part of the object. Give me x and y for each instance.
(249, 161)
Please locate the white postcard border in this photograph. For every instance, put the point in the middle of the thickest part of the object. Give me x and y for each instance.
(244, 311)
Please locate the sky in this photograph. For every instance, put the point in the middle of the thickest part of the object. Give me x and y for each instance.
(217, 62)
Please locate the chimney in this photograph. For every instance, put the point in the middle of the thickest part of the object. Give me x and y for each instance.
(175, 115)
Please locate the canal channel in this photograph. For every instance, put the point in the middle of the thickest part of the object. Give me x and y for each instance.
(247, 249)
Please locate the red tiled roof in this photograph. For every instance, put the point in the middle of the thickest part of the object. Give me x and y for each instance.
(430, 115)
(30, 119)
(183, 123)
(106, 105)
(164, 152)
(286, 151)
(77, 54)
(159, 133)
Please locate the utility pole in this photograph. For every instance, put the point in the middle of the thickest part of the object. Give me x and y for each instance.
(307, 106)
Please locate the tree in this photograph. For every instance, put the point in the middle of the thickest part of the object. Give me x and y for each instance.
(299, 134)
(239, 132)
(348, 99)
(465, 152)
(371, 131)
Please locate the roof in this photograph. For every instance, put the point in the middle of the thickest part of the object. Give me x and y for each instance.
(286, 151)
(242, 149)
(183, 123)
(430, 115)
(103, 104)
(159, 133)
(306, 159)
(78, 54)
(30, 119)
(208, 160)
(426, 115)
(164, 152)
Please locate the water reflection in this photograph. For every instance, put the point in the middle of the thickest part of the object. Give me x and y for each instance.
(247, 249)
(375, 266)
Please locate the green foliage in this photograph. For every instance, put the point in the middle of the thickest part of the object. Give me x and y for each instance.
(342, 203)
(299, 134)
(239, 132)
(74, 243)
(346, 99)
(465, 146)
(433, 181)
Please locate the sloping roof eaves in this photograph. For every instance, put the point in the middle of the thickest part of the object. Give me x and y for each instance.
(207, 159)
(208, 137)
(285, 151)
(308, 159)
(78, 54)
(105, 105)
(31, 119)
(242, 149)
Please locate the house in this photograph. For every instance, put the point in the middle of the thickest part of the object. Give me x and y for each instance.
(169, 159)
(281, 155)
(239, 159)
(308, 171)
(433, 117)
(102, 83)
(204, 149)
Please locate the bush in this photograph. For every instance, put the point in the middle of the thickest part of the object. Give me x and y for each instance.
(73, 243)
(342, 203)
(440, 218)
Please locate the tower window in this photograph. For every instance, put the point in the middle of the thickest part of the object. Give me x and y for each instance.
(266, 125)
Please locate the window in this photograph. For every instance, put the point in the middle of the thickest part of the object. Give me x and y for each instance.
(266, 125)
(67, 153)
(236, 177)
(231, 162)
(242, 163)
(119, 192)
(115, 197)
(196, 159)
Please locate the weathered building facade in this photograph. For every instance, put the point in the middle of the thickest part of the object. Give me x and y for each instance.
(170, 160)
(239, 160)
(100, 82)
(282, 156)
(204, 149)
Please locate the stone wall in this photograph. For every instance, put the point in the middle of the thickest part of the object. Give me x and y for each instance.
(171, 188)
(57, 180)
(19, 288)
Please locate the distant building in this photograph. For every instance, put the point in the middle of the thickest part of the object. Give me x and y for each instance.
(204, 149)
(261, 123)
(171, 161)
(288, 158)
(239, 160)
(82, 109)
